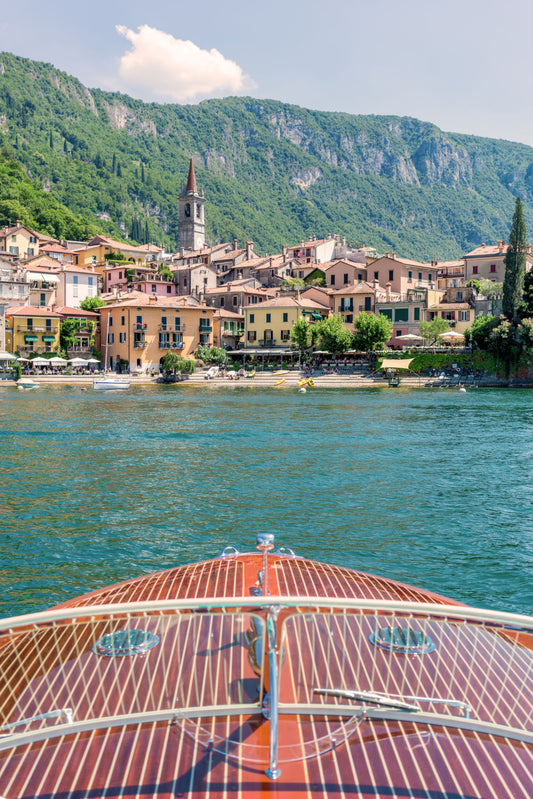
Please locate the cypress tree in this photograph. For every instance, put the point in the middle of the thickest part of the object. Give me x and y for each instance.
(515, 264)
(51, 140)
(146, 235)
(114, 167)
(119, 170)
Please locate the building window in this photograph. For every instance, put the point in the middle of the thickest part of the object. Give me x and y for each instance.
(420, 277)
(254, 300)
(122, 320)
(154, 288)
(177, 323)
(409, 276)
(43, 299)
(110, 338)
(163, 323)
(493, 267)
(332, 280)
(235, 300)
(269, 317)
(252, 318)
(348, 318)
(391, 274)
(464, 316)
(368, 303)
(285, 335)
(285, 317)
(459, 296)
(474, 270)
(252, 335)
(222, 302)
(30, 252)
(376, 275)
(401, 314)
(345, 279)
(122, 338)
(416, 314)
(110, 320)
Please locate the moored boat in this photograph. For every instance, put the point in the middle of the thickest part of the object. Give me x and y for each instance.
(27, 384)
(110, 383)
(264, 673)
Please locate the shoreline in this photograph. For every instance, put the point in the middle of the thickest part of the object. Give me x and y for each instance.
(269, 379)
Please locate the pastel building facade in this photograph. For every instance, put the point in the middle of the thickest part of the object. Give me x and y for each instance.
(141, 330)
(270, 324)
(31, 330)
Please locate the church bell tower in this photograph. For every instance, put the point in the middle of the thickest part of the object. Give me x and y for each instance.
(191, 215)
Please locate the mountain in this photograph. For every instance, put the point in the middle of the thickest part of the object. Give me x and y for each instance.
(271, 172)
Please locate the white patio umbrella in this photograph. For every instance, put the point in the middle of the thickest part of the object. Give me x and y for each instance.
(40, 361)
(77, 362)
(6, 356)
(451, 334)
(57, 361)
(21, 359)
(93, 360)
(409, 337)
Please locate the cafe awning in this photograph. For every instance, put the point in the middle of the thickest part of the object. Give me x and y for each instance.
(49, 339)
(29, 339)
(396, 363)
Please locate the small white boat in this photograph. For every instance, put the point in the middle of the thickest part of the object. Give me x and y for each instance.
(109, 383)
(27, 384)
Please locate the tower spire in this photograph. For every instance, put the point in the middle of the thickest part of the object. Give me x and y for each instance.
(191, 180)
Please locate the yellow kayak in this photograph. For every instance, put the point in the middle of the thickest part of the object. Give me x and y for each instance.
(279, 382)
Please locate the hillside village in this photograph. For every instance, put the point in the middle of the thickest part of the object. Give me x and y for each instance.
(223, 295)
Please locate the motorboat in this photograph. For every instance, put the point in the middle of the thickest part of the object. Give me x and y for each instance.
(110, 383)
(27, 384)
(266, 674)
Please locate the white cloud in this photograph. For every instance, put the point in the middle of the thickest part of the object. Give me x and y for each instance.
(160, 67)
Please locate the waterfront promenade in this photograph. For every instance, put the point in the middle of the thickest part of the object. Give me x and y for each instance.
(279, 382)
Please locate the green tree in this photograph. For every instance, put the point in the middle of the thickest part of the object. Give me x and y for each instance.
(165, 272)
(525, 309)
(215, 355)
(370, 331)
(430, 331)
(525, 332)
(515, 264)
(171, 362)
(68, 331)
(479, 334)
(301, 333)
(333, 335)
(91, 303)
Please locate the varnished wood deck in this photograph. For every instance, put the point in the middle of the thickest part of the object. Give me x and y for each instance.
(202, 662)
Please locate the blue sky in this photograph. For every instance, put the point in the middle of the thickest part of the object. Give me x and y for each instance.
(463, 65)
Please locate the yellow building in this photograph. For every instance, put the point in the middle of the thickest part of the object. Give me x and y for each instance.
(31, 329)
(141, 330)
(269, 324)
(93, 255)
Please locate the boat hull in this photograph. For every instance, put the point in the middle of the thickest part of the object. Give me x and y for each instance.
(184, 704)
(110, 384)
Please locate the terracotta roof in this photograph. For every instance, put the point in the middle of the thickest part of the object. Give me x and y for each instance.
(40, 261)
(487, 250)
(55, 248)
(357, 288)
(449, 306)
(227, 314)
(447, 264)
(119, 245)
(66, 310)
(28, 310)
(228, 256)
(153, 301)
(288, 302)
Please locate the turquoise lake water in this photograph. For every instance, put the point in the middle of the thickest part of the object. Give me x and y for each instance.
(430, 487)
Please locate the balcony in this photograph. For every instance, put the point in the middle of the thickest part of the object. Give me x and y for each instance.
(140, 325)
(50, 331)
(139, 345)
(206, 328)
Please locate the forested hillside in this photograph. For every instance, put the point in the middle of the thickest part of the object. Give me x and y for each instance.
(270, 172)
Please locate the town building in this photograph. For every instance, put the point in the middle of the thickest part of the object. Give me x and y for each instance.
(14, 292)
(141, 329)
(195, 280)
(270, 324)
(19, 241)
(487, 262)
(75, 285)
(228, 328)
(31, 330)
(238, 295)
(317, 251)
(87, 333)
